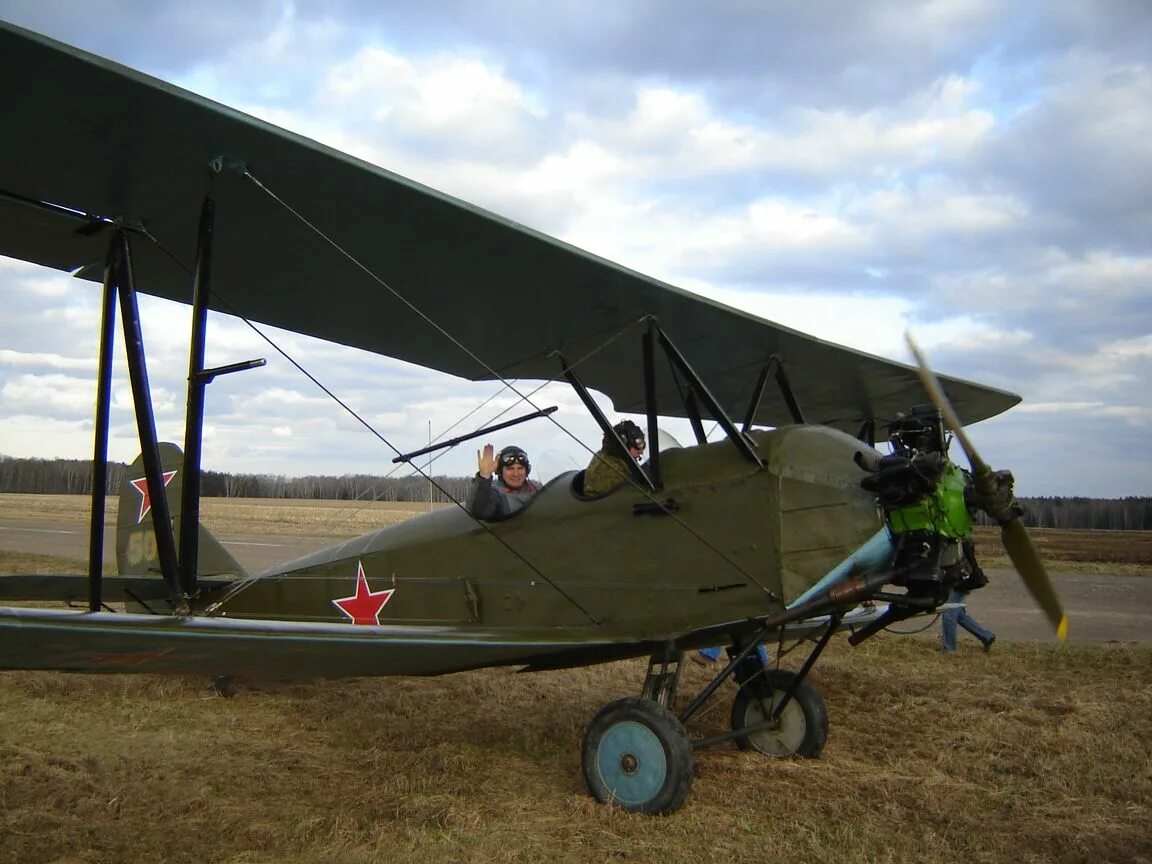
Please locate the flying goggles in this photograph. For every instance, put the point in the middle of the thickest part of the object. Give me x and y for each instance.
(514, 457)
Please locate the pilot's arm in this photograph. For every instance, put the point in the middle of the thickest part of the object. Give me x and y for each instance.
(486, 502)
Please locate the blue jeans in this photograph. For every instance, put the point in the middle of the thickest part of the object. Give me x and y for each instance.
(960, 616)
(714, 653)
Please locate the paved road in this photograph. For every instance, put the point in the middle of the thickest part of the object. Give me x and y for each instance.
(1101, 608)
(66, 540)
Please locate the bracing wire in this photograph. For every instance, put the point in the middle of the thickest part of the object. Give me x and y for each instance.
(372, 430)
(419, 470)
(489, 369)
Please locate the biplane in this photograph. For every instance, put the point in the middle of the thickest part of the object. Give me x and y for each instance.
(764, 536)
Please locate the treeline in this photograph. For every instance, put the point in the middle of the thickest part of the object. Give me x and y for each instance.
(1098, 514)
(349, 487)
(74, 477)
(54, 476)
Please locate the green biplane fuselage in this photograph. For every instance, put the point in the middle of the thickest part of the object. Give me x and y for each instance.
(638, 574)
(569, 579)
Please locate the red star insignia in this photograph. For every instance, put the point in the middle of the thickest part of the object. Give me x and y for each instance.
(146, 498)
(365, 605)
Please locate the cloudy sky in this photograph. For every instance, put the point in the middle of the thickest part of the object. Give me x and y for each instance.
(977, 171)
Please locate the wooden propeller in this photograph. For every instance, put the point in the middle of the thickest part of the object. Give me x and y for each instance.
(1013, 534)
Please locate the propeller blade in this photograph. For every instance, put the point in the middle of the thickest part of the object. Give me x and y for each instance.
(1013, 534)
(1018, 545)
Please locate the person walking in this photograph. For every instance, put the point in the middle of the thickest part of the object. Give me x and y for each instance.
(959, 617)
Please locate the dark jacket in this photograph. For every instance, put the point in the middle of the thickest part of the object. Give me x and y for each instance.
(492, 501)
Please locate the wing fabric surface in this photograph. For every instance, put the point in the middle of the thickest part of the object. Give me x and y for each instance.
(100, 140)
(73, 641)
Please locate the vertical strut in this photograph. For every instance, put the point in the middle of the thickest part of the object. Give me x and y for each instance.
(813, 656)
(693, 412)
(194, 415)
(100, 439)
(145, 420)
(758, 393)
(649, 350)
(598, 415)
(705, 395)
(788, 394)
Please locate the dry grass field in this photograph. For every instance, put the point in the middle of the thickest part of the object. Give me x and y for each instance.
(334, 519)
(1031, 754)
(1128, 552)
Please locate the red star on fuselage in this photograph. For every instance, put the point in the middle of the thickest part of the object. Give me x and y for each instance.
(365, 605)
(146, 497)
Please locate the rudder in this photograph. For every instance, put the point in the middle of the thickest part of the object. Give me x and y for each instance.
(136, 551)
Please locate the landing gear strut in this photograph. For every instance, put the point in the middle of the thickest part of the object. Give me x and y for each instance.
(638, 756)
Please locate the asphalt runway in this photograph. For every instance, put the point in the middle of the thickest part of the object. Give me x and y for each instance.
(1101, 607)
(67, 540)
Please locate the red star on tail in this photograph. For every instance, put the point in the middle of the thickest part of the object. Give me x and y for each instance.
(145, 497)
(365, 605)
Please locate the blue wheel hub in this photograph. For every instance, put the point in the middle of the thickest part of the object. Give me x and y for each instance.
(631, 762)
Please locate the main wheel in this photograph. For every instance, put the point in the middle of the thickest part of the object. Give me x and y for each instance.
(801, 729)
(636, 755)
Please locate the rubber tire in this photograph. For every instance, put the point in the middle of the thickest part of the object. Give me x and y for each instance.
(636, 756)
(803, 727)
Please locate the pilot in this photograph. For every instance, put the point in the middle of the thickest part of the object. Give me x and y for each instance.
(498, 499)
(607, 470)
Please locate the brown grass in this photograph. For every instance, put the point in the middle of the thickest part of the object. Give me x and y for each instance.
(335, 519)
(1032, 754)
(1126, 553)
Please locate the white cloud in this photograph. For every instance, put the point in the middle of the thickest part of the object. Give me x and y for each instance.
(934, 167)
(50, 394)
(15, 359)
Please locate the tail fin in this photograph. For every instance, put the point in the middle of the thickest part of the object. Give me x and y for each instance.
(136, 552)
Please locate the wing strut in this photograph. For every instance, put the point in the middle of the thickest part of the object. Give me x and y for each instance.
(198, 379)
(194, 411)
(700, 389)
(648, 346)
(758, 393)
(145, 419)
(773, 368)
(602, 421)
(787, 392)
(100, 436)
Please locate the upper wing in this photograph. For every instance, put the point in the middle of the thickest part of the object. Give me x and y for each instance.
(95, 142)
